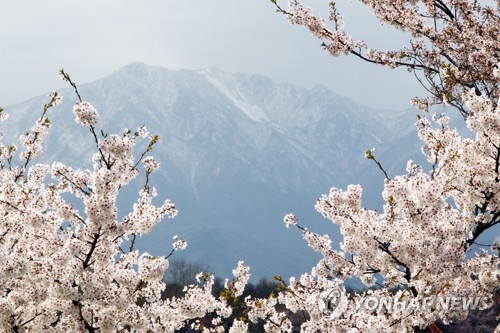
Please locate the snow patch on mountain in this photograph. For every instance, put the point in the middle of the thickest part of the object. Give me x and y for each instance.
(239, 100)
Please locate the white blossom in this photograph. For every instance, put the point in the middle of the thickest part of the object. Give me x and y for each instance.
(86, 114)
(179, 244)
(150, 164)
(290, 220)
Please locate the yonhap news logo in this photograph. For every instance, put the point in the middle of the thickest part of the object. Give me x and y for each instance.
(333, 301)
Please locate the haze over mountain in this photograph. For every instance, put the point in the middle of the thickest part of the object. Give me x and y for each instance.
(237, 153)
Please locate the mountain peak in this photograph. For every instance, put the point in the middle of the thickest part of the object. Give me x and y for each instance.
(237, 151)
(135, 67)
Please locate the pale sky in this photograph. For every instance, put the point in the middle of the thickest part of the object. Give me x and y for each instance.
(91, 38)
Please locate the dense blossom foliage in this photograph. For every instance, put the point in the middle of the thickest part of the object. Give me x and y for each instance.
(66, 270)
(453, 49)
(415, 250)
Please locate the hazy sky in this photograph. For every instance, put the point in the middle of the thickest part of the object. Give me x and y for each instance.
(91, 39)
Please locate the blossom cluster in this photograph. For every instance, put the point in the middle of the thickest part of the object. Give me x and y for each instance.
(452, 49)
(416, 247)
(86, 114)
(69, 270)
(65, 269)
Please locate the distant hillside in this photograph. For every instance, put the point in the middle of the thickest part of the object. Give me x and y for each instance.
(237, 153)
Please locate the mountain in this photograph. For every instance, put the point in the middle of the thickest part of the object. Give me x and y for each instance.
(237, 153)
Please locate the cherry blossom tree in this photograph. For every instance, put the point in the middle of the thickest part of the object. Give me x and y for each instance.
(65, 270)
(454, 45)
(415, 250)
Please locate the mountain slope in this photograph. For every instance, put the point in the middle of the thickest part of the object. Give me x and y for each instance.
(237, 153)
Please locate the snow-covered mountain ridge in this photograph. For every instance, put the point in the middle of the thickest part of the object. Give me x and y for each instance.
(237, 153)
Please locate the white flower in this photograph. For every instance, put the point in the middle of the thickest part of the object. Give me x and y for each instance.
(179, 244)
(239, 327)
(86, 114)
(150, 164)
(142, 131)
(290, 220)
(55, 98)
